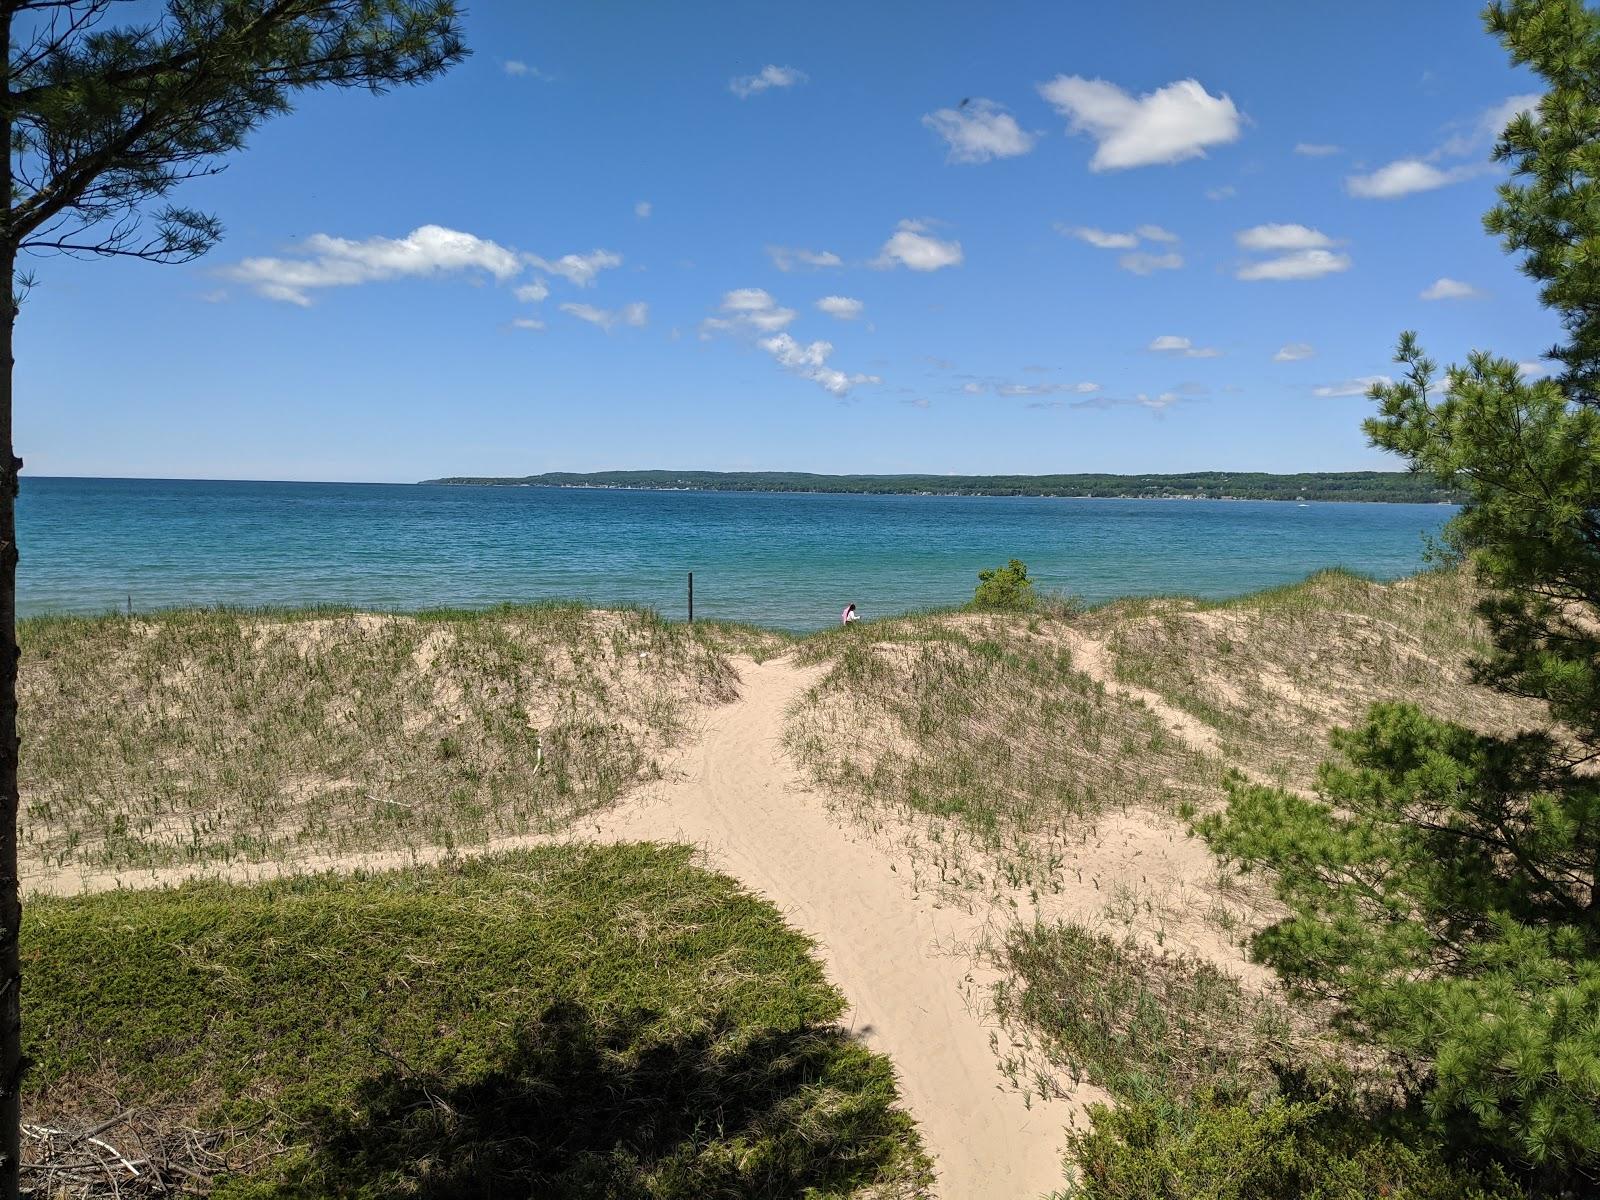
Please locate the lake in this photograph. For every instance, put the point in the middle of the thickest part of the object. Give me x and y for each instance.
(782, 559)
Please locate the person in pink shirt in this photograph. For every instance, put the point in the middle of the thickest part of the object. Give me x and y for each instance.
(849, 614)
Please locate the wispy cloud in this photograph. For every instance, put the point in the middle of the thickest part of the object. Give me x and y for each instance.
(1282, 237)
(636, 314)
(518, 69)
(580, 269)
(1298, 264)
(1169, 343)
(326, 262)
(810, 361)
(1140, 262)
(845, 308)
(1158, 403)
(1350, 387)
(914, 247)
(978, 131)
(1294, 352)
(1445, 288)
(787, 258)
(642, 209)
(748, 309)
(770, 76)
(1144, 263)
(1168, 125)
(1317, 149)
(1419, 173)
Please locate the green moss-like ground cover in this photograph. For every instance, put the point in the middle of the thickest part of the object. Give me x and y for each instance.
(571, 1021)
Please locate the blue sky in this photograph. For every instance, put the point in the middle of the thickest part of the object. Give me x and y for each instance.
(1155, 237)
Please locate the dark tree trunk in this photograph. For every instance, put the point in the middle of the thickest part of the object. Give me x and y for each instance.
(10, 465)
(10, 895)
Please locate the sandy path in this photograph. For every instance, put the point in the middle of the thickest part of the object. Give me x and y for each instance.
(884, 945)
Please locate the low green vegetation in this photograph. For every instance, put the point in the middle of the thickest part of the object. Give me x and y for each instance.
(209, 736)
(1144, 1025)
(1392, 486)
(1219, 1096)
(568, 1022)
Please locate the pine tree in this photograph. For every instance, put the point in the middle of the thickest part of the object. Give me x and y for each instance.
(104, 120)
(1443, 888)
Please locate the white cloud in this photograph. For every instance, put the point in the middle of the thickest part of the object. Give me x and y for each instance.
(810, 361)
(635, 314)
(1226, 192)
(1157, 403)
(1406, 176)
(1169, 343)
(580, 269)
(912, 246)
(1445, 288)
(1282, 237)
(1317, 149)
(1143, 263)
(1167, 125)
(643, 209)
(1488, 127)
(338, 262)
(1351, 387)
(532, 293)
(972, 389)
(745, 86)
(1100, 238)
(518, 69)
(749, 310)
(978, 131)
(1294, 352)
(787, 258)
(1535, 369)
(1403, 177)
(1300, 264)
(843, 307)
(527, 323)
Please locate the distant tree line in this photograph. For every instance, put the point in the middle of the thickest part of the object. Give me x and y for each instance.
(1392, 486)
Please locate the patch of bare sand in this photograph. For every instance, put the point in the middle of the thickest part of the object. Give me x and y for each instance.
(905, 950)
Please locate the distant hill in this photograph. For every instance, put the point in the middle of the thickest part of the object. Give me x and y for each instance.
(1394, 486)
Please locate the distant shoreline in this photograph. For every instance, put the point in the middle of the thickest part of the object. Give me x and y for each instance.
(1395, 487)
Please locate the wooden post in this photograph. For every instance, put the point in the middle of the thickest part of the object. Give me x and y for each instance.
(691, 597)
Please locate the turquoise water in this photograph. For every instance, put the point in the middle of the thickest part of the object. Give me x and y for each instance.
(787, 560)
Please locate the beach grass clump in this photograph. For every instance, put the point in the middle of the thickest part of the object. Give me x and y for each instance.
(1274, 672)
(219, 736)
(1222, 1092)
(571, 1021)
(1142, 1023)
(986, 720)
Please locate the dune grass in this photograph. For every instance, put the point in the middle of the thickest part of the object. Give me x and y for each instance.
(985, 720)
(212, 736)
(1274, 671)
(566, 1022)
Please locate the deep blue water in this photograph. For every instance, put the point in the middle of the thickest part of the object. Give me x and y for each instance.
(777, 559)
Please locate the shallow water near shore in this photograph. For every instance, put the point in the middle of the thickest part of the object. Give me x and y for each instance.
(785, 560)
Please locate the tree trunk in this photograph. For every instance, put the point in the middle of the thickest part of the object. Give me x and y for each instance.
(10, 896)
(10, 465)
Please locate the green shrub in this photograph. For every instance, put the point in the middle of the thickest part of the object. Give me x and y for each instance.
(1004, 589)
(1220, 1148)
